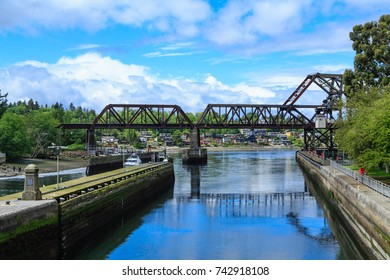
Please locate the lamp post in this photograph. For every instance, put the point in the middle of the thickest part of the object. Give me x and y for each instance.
(57, 151)
(123, 159)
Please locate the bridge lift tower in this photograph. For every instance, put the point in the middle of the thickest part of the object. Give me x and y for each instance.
(321, 134)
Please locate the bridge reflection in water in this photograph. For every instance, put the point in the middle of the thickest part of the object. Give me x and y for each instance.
(203, 219)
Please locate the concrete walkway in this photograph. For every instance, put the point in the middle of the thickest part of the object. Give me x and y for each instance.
(17, 206)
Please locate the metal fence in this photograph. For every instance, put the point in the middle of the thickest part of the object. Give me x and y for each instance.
(377, 186)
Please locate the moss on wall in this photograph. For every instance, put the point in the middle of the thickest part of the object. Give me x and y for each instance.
(36, 239)
(82, 215)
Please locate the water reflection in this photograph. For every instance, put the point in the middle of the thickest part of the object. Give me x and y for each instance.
(241, 205)
(236, 207)
(112, 235)
(349, 246)
(195, 180)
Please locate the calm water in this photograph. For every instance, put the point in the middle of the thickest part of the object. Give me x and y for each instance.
(241, 205)
(16, 184)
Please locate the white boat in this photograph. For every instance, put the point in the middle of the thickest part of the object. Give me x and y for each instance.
(132, 160)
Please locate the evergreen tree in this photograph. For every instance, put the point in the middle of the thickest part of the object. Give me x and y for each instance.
(371, 43)
(365, 128)
(3, 103)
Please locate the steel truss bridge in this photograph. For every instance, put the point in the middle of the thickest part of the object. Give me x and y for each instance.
(225, 116)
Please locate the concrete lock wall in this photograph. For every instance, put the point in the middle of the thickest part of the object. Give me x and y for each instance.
(46, 229)
(366, 219)
(29, 230)
(98, 165)
(82, 215)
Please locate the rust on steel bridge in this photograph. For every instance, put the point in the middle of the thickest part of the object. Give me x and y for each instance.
(285, 116)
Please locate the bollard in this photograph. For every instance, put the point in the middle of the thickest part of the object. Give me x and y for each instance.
(31, 187)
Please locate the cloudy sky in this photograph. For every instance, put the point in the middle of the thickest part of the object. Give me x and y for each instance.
(185, 52)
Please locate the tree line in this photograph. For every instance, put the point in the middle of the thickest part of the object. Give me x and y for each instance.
(364, 127)
(27, 128)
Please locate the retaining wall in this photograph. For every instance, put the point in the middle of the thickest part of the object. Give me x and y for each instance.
(47, 229)
(98, 165)
(80, 216)
(365, 213)
(29, 230)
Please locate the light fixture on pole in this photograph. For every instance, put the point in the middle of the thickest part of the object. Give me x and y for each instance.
(57, 151)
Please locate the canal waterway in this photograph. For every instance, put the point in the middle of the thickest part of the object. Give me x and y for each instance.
(240, 205)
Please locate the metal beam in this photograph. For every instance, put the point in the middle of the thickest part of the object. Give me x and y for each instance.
(286, 116)
(254, 116)
(332, 84)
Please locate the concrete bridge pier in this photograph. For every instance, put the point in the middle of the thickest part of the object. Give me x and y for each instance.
(90, 142)
(195, 154)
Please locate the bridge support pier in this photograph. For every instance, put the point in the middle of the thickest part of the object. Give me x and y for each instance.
(90, 142)
(195, 154)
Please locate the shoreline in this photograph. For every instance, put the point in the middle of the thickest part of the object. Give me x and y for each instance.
(16, 168)
(176, 150)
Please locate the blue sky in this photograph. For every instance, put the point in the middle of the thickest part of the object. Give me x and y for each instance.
(184, 52)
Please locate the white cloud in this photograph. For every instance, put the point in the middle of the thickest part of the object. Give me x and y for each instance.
(94, 81)
(277, 17)
(332, 68)
(83, 47)
(178, 46)
(245, 21)
(240, 26)
(177, 49)
(93, 15)
(322, 51)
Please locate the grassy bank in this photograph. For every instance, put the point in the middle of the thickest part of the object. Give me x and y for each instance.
(376, 174)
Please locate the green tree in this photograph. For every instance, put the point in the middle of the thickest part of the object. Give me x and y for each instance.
(3, 103)
(364, 134)
(371, 43)
(364, 128)
(42, 130)
(176, 136)
(58, 111)
(14, 140)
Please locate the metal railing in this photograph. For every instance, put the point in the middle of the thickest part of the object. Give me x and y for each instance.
(312, 161)
(377, 186)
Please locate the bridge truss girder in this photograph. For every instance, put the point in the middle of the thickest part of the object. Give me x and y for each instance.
(332, 84)
(220, 116)
(142, 116)
(254, 116)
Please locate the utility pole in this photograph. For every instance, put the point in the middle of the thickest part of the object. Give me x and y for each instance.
(57, 151)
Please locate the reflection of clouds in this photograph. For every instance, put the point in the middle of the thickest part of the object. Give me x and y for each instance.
(225, 226)
(275, 205)
(234, 216)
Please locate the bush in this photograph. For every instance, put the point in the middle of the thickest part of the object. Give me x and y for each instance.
(76, 147)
